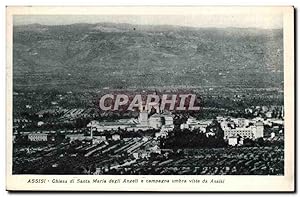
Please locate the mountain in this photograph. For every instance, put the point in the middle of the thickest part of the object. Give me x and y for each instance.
(107, 55)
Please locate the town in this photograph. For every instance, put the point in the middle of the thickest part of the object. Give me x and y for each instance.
(149, 140)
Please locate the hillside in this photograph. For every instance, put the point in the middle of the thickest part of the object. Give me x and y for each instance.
(106, 55)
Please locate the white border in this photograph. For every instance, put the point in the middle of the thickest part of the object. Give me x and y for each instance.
(111, 2)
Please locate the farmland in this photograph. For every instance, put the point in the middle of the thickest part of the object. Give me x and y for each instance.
(141, 156)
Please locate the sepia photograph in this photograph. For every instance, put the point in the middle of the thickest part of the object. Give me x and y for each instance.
(184, 98)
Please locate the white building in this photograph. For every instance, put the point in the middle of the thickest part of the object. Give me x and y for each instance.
(245, 132)
(161, 134)
(259, 132)
(155, 121)
(37, 137)
(241, 122)
(167, 128)
(144, 122)
(74, 137)
(40, 123)
(208, 134)
(98, 139)
(143, 116)
(184, 126)
(106, 126)
(193, 123)
(115, 137)
(168, 120)
(273, 135)
(233, 141)
(269, 114)
(252, 132)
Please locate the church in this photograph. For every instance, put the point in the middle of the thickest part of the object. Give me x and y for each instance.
(150, 117)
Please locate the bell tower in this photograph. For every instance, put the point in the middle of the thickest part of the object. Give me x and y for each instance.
(143, 116)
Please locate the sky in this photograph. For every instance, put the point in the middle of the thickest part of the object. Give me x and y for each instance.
(219, 21)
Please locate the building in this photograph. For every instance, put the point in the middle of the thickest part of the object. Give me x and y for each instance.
(273, 135)
(252, 132)
(40, 123)
(245, 132)
(193, 123)
(143, 115)
(98, 139)
(74, 137)
(161, 133)
(233, 141)
(241, 122)
(141, 154)
(184, 126)
(209, 134)
(38, 137)
(155, 121)
(259, 132)
(107, 126)
(144, 122)
(115, 137)
(167, 128)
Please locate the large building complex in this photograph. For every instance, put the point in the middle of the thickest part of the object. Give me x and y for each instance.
(145, 121)
(241, 127)
(235, 129)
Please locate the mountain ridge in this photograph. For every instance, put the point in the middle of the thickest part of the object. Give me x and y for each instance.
(142, 57)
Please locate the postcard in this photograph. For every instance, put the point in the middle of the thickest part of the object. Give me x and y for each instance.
(150, 98)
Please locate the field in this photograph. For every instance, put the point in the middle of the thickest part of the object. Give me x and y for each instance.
(138, 156)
